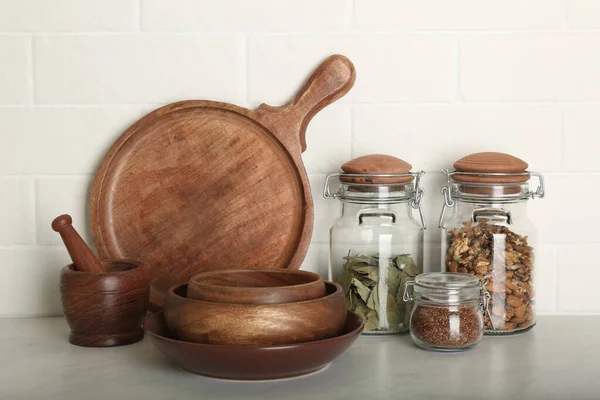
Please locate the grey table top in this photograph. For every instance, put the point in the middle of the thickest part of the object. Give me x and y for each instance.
(558, 359)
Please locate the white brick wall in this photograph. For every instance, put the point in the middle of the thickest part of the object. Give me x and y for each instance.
(437, 79)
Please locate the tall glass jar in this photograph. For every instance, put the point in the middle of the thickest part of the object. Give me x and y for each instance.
(486, 233)
(376, 246)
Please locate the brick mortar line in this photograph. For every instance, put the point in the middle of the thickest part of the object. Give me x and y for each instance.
(417, 32)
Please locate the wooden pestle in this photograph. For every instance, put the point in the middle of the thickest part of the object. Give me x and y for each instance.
(82, 256)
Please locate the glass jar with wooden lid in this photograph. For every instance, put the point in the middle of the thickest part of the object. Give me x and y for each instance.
(376, 246)
(486, 232)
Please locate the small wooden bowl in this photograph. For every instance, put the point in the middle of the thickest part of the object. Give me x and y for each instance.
(255, 324)
(256, 286)
(105, 309)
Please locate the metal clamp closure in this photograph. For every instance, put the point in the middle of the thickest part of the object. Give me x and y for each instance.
(539, 192)
(417, 196)
(485, 302)
(541, 189)
(408, 294)
(448, 203)
(417, 201)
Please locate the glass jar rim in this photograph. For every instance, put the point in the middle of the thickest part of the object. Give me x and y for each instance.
(375, 193)
(445, 288)
(382, 193)
(446, 281)
(493, 191)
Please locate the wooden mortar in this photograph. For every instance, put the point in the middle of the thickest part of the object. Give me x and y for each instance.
(105, 309)
(104, 301)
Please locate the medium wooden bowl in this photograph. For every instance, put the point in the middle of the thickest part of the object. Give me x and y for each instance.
(255, 324)
(252, 362)
(256, 286)
(105, 309)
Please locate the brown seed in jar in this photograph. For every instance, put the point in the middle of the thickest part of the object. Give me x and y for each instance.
(508, 326)
(521, 311)
(509, 257)
(518, 320)
(481, 269)
(447, 326)
(530, 314)
(514, 301)
(453, 266)
(463, 270)
(516, 285)
(522, 296)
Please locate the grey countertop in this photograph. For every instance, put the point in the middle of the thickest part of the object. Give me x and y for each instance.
(558, 359)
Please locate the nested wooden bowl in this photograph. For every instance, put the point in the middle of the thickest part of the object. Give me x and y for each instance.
(255, 324)
(252, 362)
(256, 286)
(105, 309)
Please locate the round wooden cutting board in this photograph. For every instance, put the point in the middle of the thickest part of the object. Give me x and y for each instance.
(202, 185)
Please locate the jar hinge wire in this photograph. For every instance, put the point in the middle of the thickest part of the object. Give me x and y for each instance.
(484, 305)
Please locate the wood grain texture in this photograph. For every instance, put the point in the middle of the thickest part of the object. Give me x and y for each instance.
(252, 362)
(83, 257)
(255, 324)
(491, 162)
(105, 309)
(256, 286)
(374, 164)
(200, 185)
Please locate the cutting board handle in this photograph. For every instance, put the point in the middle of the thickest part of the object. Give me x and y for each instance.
(330, 81)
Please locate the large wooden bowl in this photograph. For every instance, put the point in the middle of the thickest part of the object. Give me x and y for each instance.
(255, 324)
(252, 362)
(256, 286)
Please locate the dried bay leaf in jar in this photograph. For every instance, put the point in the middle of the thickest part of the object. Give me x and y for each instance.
(487, 233)
(377, 243)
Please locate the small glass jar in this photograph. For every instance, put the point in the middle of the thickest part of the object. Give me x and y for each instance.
(447, 312)
(486, 233)
(376, 246)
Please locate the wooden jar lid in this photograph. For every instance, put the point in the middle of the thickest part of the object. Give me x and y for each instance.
(490, 162)
(376, 164)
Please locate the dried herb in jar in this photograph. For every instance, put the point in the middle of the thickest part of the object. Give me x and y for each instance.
(505, 259)
(378, 303)
(447, 326)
